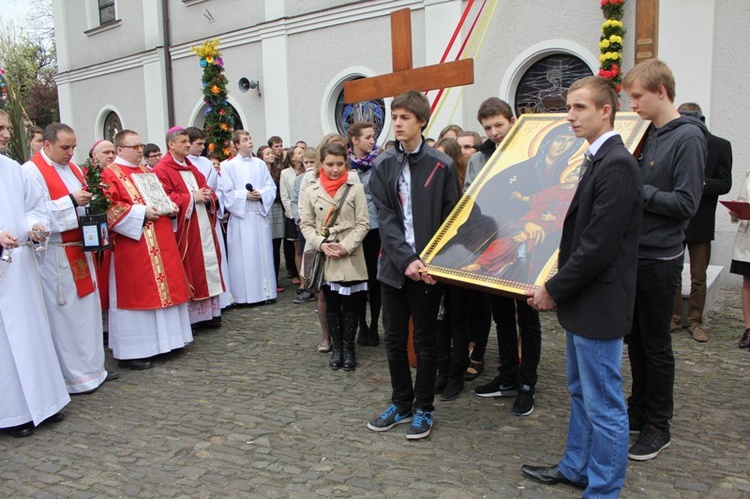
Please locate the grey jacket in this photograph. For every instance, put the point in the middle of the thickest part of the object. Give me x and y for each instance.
(434, 192)
(672, 163)
(478, 160)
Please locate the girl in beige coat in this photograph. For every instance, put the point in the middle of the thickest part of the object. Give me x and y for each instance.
(345, 272)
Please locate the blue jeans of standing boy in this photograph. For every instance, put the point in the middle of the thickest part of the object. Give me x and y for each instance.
(596, 452)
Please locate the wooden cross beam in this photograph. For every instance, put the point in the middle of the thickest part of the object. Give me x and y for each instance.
(404, 76)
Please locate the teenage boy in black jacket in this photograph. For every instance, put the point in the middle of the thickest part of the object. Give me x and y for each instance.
(414, 188)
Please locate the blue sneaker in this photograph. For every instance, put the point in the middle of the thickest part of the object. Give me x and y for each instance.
(421, 425)
(389, 419)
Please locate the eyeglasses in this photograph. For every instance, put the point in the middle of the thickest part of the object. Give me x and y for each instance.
(136, 147)
(154, 155)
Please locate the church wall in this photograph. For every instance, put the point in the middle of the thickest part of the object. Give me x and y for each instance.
(189, 23)
(295, 7)
(110, 44)
(127, 102)
(729, 116)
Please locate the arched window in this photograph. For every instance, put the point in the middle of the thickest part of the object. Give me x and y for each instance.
(200, 117)
(543, 88)
(112, 125)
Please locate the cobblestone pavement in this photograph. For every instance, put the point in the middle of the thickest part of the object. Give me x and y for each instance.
(253, 410)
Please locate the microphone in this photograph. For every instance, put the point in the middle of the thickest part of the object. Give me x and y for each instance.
(249, 186)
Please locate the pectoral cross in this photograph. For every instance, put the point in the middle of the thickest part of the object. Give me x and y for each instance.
(405, 76)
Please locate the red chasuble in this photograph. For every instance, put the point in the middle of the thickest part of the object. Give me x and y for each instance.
(196, 235)
(72, 239)
(148, 272)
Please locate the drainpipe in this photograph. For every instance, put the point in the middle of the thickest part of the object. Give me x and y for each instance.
(167, 62)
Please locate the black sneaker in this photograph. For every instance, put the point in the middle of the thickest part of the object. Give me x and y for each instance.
(304, 297)
(389, 419)
(650, 443)
(524, 404)
(498, 387)
(453, 389)
(421, 425)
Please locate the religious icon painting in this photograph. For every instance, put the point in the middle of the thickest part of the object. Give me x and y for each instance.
(152, 192)
(504, 233)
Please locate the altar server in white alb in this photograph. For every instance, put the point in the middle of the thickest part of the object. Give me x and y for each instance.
(247, 191)
(32, 388)
(68, 276)
(206, 167)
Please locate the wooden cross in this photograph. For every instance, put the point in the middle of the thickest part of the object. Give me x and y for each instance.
(404, 76)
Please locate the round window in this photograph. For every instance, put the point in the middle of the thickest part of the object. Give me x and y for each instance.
(371, 110)
(543, 88)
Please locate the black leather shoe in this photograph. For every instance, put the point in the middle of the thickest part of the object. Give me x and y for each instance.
(55, 418)
(136, 364)
(20, 431)
(548, 475)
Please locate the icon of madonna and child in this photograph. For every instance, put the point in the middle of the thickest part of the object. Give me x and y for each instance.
(505, 231)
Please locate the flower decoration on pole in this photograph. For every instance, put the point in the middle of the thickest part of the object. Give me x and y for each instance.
(219, 121)
(3, 89)
(610, 42)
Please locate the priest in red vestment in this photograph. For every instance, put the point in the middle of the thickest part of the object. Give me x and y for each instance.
(196, 235)
(148, 289)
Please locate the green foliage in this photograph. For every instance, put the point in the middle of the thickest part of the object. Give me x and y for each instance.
(219, 122)
(99, 202)
(30, 64)
(18, 147)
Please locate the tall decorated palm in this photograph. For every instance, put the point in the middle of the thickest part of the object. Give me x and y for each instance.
(219, 121)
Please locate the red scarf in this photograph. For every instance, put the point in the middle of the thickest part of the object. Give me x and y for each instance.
(79, 266)
(332, 186)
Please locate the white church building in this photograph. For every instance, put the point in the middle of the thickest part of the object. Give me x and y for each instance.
(128, 64)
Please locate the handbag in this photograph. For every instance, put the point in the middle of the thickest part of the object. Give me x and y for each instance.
(313, 261)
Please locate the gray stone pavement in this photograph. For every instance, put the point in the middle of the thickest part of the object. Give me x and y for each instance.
(253, 410)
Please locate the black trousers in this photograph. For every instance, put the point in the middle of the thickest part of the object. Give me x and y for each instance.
(371, 248)
(650, 342)
(453, 336)
(506, 312)
(420, 302)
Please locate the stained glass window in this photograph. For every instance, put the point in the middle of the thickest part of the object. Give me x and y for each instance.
(544, 86)
(112, 125)
(371, 110)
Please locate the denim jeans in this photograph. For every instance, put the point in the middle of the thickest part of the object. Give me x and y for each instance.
(650, 342)
(420, 302)
(596, 451)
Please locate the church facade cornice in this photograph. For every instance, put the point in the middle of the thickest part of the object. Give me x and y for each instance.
(253, 34)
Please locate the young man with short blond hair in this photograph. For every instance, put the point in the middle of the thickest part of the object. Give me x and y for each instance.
(672, 164)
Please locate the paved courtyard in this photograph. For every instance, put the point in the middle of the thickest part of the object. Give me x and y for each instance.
(253, 410)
